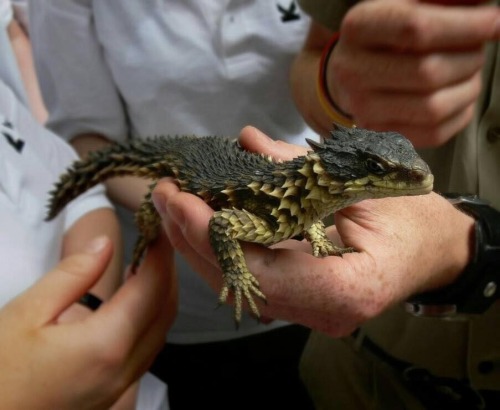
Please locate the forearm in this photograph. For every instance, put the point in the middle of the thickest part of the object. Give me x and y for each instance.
(128, 191)
(22, 50)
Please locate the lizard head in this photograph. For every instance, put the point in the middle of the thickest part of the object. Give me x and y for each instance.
(364, 163)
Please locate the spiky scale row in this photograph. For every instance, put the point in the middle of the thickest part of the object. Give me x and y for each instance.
(256, 199)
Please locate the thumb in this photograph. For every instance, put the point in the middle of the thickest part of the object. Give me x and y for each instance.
(255, 140)
(65, 284)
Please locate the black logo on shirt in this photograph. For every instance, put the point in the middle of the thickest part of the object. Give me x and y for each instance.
(8, 133)
(290, 13)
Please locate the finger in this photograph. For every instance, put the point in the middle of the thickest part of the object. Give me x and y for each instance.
(425, 135)
(420, 27)
(456, 2)
(65, 284)
(417, 108)
(130, 312)
(186, 218)
(185, 221)
(379, 70)
(152, 339)
(255, 140)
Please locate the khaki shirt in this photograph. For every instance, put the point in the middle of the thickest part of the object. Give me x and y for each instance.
(470, 163)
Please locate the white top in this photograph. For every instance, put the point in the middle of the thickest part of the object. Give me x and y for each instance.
(172, 67)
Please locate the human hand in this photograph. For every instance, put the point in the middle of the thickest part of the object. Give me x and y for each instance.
(413, 67)
(86, 364)
(405, 245)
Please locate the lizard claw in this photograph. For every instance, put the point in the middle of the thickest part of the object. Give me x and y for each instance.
(243, 285)
(327, 248)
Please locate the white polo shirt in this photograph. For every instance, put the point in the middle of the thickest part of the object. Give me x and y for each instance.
(144, 68)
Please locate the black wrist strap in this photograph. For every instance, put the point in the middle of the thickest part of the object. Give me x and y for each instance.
(478, 287)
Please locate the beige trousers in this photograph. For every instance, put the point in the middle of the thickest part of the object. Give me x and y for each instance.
(340, 376)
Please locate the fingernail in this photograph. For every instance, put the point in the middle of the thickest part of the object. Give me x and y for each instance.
(96, 245)
(159, 203)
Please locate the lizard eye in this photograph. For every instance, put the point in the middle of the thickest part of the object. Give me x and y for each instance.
(374, 167)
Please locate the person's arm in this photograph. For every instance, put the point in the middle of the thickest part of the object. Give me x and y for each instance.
(405, 245)
(22, 49)
(406, 66)
(86, 364)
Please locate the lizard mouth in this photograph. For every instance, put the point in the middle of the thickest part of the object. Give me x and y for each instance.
(391, 185)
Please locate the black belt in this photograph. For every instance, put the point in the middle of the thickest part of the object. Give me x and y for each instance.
(434, 392)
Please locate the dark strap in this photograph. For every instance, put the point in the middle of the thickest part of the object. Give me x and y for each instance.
(399, 365)
(435, 393)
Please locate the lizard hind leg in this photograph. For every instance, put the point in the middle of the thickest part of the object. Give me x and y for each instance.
(149, 224)
(227, 227)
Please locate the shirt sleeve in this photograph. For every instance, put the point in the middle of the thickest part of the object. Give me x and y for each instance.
(76, 83)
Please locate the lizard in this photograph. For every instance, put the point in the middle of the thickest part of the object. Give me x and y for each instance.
(256, 198)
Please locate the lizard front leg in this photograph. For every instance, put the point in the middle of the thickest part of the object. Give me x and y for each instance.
(226, 228)
(321, 244)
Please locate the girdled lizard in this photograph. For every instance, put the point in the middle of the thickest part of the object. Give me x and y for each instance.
(255, 198)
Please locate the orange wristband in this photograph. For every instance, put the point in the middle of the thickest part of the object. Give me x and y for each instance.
(327, 103)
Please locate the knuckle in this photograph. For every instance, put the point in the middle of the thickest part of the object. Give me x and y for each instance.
(433, 110)
(110, 356)
(350, 23)
(428, 73)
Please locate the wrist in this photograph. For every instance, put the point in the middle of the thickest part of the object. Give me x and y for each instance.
(475, 288)
(459, 249)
